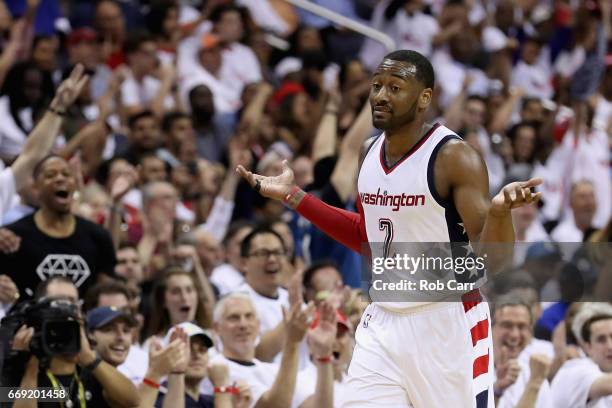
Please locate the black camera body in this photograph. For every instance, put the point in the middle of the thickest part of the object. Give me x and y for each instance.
(55, 322)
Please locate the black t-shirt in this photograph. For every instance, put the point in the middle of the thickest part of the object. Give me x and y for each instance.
(81, 257)
(92, 389)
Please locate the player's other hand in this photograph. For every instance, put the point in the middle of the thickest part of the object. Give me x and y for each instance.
(277, 187)
(515, 195)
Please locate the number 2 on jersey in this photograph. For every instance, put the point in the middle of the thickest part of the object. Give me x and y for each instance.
(385, 224)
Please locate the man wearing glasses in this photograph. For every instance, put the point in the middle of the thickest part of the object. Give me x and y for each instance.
(263, 253)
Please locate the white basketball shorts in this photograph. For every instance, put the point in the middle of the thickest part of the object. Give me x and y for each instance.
(438, 355)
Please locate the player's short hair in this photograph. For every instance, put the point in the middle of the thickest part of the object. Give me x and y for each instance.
(425, 72)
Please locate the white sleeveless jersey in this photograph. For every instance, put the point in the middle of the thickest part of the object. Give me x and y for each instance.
(403, 212)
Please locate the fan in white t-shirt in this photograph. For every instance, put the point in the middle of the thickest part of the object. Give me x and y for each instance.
(237, 325)
(264, 253)
(146, 86)
(587, 382)
(512, 333)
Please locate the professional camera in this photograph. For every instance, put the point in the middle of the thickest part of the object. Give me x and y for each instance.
(55, 323)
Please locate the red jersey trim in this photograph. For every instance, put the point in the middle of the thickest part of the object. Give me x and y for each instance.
(408, 154)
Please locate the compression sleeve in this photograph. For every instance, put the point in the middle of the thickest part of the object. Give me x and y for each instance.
(346, 227)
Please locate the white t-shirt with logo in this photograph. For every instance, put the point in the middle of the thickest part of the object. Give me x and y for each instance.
(572, 383)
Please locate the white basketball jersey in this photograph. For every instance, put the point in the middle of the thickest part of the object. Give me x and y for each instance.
(401, 207)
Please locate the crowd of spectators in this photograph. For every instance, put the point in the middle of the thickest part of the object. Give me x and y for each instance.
(122, 123)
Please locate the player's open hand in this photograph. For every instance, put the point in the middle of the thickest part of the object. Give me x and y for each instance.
(277, 187)
(515, 195)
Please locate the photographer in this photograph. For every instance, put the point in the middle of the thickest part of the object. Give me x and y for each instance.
(89, 381)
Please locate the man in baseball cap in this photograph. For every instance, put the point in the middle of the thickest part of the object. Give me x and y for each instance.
(197, 370)
(110, 333)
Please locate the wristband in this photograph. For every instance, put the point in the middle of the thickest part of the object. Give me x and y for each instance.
(56, 111)
(293, 191)
(150, 383)
(94, 364)
(226, 390)
(325, 360)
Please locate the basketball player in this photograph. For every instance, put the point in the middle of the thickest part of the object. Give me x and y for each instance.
(415, 354)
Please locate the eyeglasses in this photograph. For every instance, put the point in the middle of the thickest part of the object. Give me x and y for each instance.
(265, 253)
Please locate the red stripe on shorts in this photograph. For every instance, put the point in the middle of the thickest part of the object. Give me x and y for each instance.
(480, 331)
(481, 365)
(471, 299)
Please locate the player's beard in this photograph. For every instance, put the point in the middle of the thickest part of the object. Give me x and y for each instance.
(398, 121)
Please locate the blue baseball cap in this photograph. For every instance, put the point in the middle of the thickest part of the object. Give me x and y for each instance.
(101, 316)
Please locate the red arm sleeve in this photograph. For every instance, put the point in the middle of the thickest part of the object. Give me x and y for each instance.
(346, 227)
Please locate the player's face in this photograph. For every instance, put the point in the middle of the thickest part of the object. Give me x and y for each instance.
(512, 329)
(600, 346)
(56, 184)
(395, 94)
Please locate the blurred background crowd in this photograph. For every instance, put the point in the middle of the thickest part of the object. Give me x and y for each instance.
(139, 217)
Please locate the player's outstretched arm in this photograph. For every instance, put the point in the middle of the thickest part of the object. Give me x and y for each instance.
(461, 174)
(346, 227)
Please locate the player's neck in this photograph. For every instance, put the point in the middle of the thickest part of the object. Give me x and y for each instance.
(399, 141)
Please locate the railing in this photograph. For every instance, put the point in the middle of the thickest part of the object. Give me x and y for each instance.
(345, 22)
